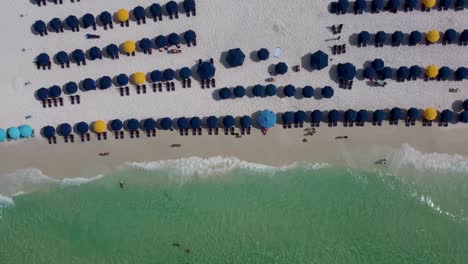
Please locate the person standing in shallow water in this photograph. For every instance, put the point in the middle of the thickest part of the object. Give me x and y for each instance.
(122, 183)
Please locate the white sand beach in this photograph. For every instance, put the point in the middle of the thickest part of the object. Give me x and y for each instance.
(298, 27)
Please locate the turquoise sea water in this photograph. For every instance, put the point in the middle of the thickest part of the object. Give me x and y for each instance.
(297, 215)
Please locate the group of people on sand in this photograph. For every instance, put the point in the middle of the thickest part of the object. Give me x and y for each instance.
(103, 154)
(308, 133)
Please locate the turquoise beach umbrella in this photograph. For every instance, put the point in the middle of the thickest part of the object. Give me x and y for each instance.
(13, 133)
(25, 131)
(2, 135)
(267, 119)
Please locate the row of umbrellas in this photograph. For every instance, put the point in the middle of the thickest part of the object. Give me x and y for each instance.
(235, 57)
(342, 6)
(271, 90)
(14, 133)
(105, 18)
(413, 38)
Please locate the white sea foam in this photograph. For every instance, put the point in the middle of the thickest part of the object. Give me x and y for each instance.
(5, 202)
(426, 200)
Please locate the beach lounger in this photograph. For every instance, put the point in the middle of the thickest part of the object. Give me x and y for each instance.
(127, 91)
(132, 134)
(121, 89)
(199, 131)
(116, 135)
(144, 88)
(121, 134)
(61, 101)
(148, 133)
(202, 84)
(172, 86)
(54, 139)
(99, 136)
(65, 139)
(248, 130)
(160, 87)
(189, 83)
(213, 83)
(210, 131)
(216, 131)
(153, 132)
(77, 97)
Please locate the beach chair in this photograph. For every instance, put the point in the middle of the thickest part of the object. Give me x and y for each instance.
(189, 82)
(116, 135)
(210, 131)
(213, 83)
(127, 91)
(121, 134)
(172, 86)
(153, 132)
(121, 89)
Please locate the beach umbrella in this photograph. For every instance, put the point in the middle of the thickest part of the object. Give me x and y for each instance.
(334, 116)
(173, 39)
(155, 10)
(465, 105)
(156, 76)
(396, 114)
(138, 78)
(89, 84)
(431, 71)
(185, 73)
(43, 59)
(258, 90)
(139, 12)
(346, 71)
(360, 6)
(64, 129)
(288, 118)
(171, 7)
(25, 131)
(380, 37)
(289, 90)
(149, 124)
(364, 37)
(447, 116)
(112, 50)
(88, 20)
(133, 124)
(72, 22)
(62, 57)
(239, 91)
(362, 116)
(430, 114)
(343, 6)
(414, 114)
(403, 73)
(308, 92)
(461, 73)
(444, 73)
(145, 44)
(165, 123)
(161, 41)
(2, 135)
(378, 64)
(266, 119)
(195, 122)
(105, 82)
(327, 92)
(369, 73)
(106, 18)
(246, 121)
(300, 117)
(82, 128)
(415, 38)
(129, 46)
(56, 24)
(463, 118)
(263, 54)
(350, 116)
(116, 125)
(229, 121)
(122, 15)
(189, 5)
(319, 60)
(450, 36)
(13, 133)
(270, 90)
(224, 93)
(464, 36)
(122, 79)
(378, 5)
(416, 71)
(212, 122)
(316, 116)
(393, 4)
(55, 91)
(235, 57)
(397, 37)
(99, 126)
(429, 3)
(42, 94)
(169, 74)
(281, 68)
(433, 36)
(48, 131)
(78, 55)
(386, 73)
(379, 116)
(95, 53)
(206, 70)
(190, 36)
(71, 87)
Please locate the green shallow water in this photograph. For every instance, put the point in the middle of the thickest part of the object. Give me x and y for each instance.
(294, 216)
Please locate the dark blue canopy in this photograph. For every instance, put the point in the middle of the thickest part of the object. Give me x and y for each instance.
(464, 117)
(122, 79)
(461, 73)
(105, 17)
(145, 44)
(161, 41)
(195, 122)
(464, 36)
(346, 71)
(393, 4)
(190, 36)
(378, 64)
(105, 82)
(450, 35)
(65, 129)
(316, 116)
(149, 124)
(369, 73)
(396, 114)
(95, 53)
(281, 68)
(88, 20)
(465, 105)
(185, 73)
(327, 92)
(155, 10)
(55, 91)
(415, 37)
(171, 7)
(300, 117)
(308, 91)
(40, 26)
(289, 90)
(189, 5)
(173, 39)
(239, 91)
(288, 117)
(380, 37)
(224, 93)
(412, 3)
(116, 124)
(82, 128)
(379, 115)
(229, 121)
(386, 73)
(212, 122)
(112, 50)
(71, 87)
(270, 90)
(206, 70)
(414, 113)
(89, 84)
(156, 76)
(42, 94)
(416, 71)
(445, 3)
(360, 5)
(246, 121)
(62, 57)
(444, 72)
(334, 116)
(43, 59)
(263, 54)
(343, 6)
(447, 116)
(165, 123)
(258, 90)
(403, 72)
(378, 5)
(133, 124)
(72, 22)
(48, 131)
(55, 23)
(139, 12)
(350, 115)
(319, 60)
(169, 74)
(397, 36)
(78, 55)
(183, 123)
(235, 57)
(362, 116)
(364, 37)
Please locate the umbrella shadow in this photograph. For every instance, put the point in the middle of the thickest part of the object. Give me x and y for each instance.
(34, 31)
(360, 74)
(333, 73)
(253, 56)
(223, 60)
(353, 39)
(216, 97)
(318, 93)
(305, 62)
(271, 70)
(457, 106)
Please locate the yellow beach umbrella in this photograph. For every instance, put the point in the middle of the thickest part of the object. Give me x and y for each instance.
(433, 36)
(432, 71)
(430, 114)
(122, 15)
(129, 46)
(429, 3)
(138, 78)
(99, 126)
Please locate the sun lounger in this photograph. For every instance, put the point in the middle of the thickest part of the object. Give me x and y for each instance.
(121, 134)
(216, 131)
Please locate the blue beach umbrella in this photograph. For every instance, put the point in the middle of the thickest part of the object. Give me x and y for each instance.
(327, 92)
(43, 59)
(447, 116)
(346, 71)
(48, 131)
(95, 53)
(386, 73)
(263, 54)
(319, 60)
(369, 73)
(258, 90)
(246, 121)
(464, 36)
(42, 94)
(56, 24)
(465, 105)
(161, 41)
(289, 90)
(122, 79)
(396, 114)
(145, 44)
(13, 133)
(88, 20)
(105, 82)
(112, 50)
(212, 122)
(444, 73)
(239, 91)
(156, 76)
(360, 5)
(462, 118)
(350, 116)
(229, 121)
(266, 119)
(288, 118)
(379, 116)
(397, 37)
(362, 116)
(450, 36)
(139, 12)
(189, 5)
(190, 36)
(169, 74)
(71, 87)
(317, 116)
(378, 5)
(2, 135)
(300, 117)
(25, 131)
(105, 18)
(89, 84)
(235, 57)
(270, 90)
(415, 38)
(308, 92)
(380, 37)
(72, 22)
(173, 39)
(461, 73)
(364, 37)
(414, 114)
(64, 129)
(116, 125)
(55, 91)
(172, 7)
(393, 4)
(185, 73)
(165, 123)
(281, 68)
(415, 71)
(224, 93)
(82, 128)
(62, 57)
(403, 72)
(133, 124)
(378, 64)
(195, 122)
(343, 6)
(334, 116)
(206, 71)
(411, 3)
(78, 55)
(40, 26)
(149, 124)
(155, 10)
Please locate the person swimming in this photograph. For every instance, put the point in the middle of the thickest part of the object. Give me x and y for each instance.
(122, 184)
